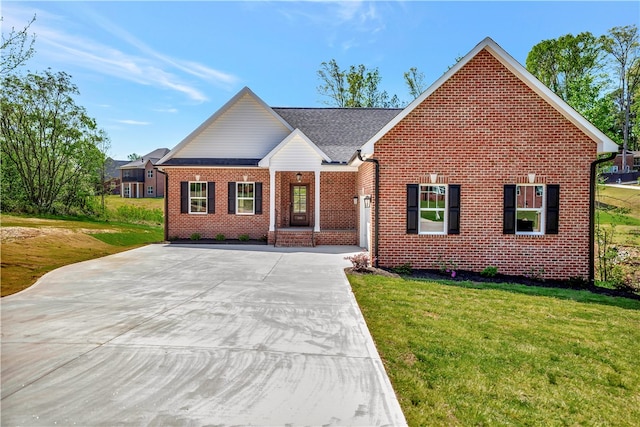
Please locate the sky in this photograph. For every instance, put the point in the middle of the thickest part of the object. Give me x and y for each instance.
(150, 72)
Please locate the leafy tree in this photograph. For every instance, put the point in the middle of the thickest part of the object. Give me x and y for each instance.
(355, 87)
(415, 82)
(16, 48)
(133, 156)
(623, 46)
(49, 144)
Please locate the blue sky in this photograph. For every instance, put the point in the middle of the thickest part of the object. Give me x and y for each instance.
(151, 72)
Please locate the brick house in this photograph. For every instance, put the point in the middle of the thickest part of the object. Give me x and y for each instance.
(140, 178)
(486, 168)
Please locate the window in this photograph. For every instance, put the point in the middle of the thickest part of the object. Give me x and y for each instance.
(198, 197)
(433, 207)
(127, 191)
(150, 190)
(150, 173)
(245, 198)
(529, 209)
(112, 185)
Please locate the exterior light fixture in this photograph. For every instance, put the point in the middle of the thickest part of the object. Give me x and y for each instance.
(367, 201)
(355, 200)
(298, 177)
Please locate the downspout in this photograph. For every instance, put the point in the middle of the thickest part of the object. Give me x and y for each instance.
(592, 214)
(166, 206)
(377, 201)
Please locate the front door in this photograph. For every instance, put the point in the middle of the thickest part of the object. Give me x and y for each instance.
(299, 206)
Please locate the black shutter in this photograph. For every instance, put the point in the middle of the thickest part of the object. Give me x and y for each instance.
(211, 197)
(232, 198)
(184, 197)
(509, 214)
(257, 191)
(553, 209)
(413, 208)
(454, 210)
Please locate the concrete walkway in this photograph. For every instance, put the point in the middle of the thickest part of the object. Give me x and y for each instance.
(192, 335)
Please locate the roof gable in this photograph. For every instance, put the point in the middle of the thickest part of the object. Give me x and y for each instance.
(297, 147)
(140, 163)
(245, 127)
(605, 144)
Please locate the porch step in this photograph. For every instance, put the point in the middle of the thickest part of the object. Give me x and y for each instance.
(289, 239)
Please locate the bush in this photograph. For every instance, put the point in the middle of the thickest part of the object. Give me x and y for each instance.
(220, 237)
(578, 282)
(195, 236)
(489, 271)
(360, 261)
(243, 237)
(403, 269)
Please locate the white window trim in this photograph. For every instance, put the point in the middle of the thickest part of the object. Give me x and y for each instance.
(206, 196)
(542, 209)
(445, 225)
(150, 189)
(127, 191)
(253, 212)
(150, 173)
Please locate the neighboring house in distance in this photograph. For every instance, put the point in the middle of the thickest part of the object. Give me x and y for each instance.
(140, 178)
(112, 179)
(487, 167)
(616, 173)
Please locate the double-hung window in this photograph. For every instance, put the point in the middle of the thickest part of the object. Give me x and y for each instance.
(150, 190)
(245, 198)
(433, 208)
(529, 209)
(198, 197)
(150, 173)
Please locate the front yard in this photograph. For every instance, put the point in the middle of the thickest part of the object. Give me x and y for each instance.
(499, 354)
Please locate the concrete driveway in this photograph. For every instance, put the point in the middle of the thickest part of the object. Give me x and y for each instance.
(194, 335)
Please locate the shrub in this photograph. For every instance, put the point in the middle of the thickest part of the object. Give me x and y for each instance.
(243, 237)
(403, 269)
(195, 236)
(489, 271)
(360, 261)
(578, 282)
(447, 267)
(220, 237)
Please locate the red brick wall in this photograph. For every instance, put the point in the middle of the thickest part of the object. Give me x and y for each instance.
(482, 129)
(337, 210)
(208, 226)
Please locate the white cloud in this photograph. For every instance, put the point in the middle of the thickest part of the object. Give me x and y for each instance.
(133, 122)
(166, 110)
(142, 64)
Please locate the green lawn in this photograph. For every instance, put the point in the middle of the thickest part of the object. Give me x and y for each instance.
(469, 354)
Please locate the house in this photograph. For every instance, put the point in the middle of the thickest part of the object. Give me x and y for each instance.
(139, 178)
(473, 173)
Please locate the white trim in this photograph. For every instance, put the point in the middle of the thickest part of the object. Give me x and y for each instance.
(316, 226)
(206, 197)
(272, 200)
(338, 168)
(253, 211)
(605, 144)
(297, 132)
(216, 115)
(542, 209)
(445, 220)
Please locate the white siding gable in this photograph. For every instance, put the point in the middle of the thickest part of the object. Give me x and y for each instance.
(245, 130)
(296, 155)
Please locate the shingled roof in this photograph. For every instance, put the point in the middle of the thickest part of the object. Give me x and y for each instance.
(338, 132)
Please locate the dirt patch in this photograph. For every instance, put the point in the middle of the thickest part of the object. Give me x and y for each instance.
(12, 234)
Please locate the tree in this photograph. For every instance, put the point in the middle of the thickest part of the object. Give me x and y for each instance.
(415, 82)
(355, 87)
(16, 48)
(623, 46)
(133, 156)
(48, 142)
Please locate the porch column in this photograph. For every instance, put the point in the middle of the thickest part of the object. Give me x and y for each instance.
(316, 227)
(272, 200)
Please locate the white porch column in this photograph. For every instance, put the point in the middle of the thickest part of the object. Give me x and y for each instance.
(122, 189)
(272, 199)
(316, 227)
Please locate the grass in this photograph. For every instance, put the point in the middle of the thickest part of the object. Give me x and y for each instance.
(143, 211)
(56, 242)
(474, 354)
